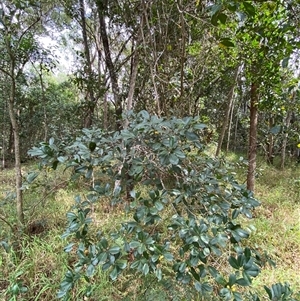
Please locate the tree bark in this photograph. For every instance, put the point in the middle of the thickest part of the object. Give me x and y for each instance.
(230, 126)
(4, 133)
(270, 146)
(133, 75)
(153, 67)
(102, 6)
(227, 113)
(252, 137)
(40, 73)
(132, 82)
(183, 51)
(15, 128)
(10, 146)
(285, 139)
(90, 101)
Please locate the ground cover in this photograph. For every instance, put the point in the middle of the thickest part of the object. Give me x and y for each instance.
(33, 261)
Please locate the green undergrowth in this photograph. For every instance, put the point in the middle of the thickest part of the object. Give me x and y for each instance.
(277, 221)
(33, 262)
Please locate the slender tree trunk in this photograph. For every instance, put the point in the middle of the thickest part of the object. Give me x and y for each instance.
(40, 72)
(101, 70)
(269, 149)
(102, 6)
(15, 128)
(235, 132)
(252, 137)
(134, 64)
(91, 101)
(285, 139)
(230, 126)
(10, 147)
(133, 75)
(270, 155)
(105, 111)
(132, 82)
(288, 120)
(183, 53)
(4, 132)
(153, 67)
(3, 151)
(227, 113)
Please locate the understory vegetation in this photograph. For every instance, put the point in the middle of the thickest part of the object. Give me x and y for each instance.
(37, 263)
(149, 150)
(150, 216)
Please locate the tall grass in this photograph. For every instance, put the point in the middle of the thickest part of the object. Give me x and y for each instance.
(33, 258)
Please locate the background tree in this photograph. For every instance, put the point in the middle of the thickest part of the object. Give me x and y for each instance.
(17, 23)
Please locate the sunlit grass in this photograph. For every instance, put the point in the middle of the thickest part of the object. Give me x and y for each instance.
(37, 259)
(277, 221)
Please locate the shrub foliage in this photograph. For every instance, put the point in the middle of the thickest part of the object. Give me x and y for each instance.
(183, 208)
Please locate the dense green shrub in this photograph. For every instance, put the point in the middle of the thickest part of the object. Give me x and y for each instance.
(185, 208)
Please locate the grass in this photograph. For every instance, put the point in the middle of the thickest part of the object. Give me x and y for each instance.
(277, 220)
(278, 224)
(37, 263)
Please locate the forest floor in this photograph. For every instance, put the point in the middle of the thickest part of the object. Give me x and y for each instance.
(277, 223)
(35, 262)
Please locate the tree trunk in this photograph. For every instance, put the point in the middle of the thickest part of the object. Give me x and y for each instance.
(235, 131)
(227, 113)
(40, 73)
(105, 112)
(230, 126)
(252, 137)
(132, 82)
(133, 75)
(4, 133)
(10, 146)
(285, 139)
(270, 149)
(102, 6)
(153, 66)
(3, 151)
(15, 128)
(183, 51)
(91, 101)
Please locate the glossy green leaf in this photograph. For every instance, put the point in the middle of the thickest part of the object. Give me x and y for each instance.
(198, 286)
(102, 257)
(173, 159)
(114, 250)
(222, 18)
(232, 279)
(145, 269)
(191, 136)
(69, 247)
(220, 280)
(250, 9)
(227, 42)
(158, 274)
(159, 206)
(234, 263)
(114, 274)
(243, 282)
(168, 256)
(121, 264)
(134, 244)
(90, 270)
